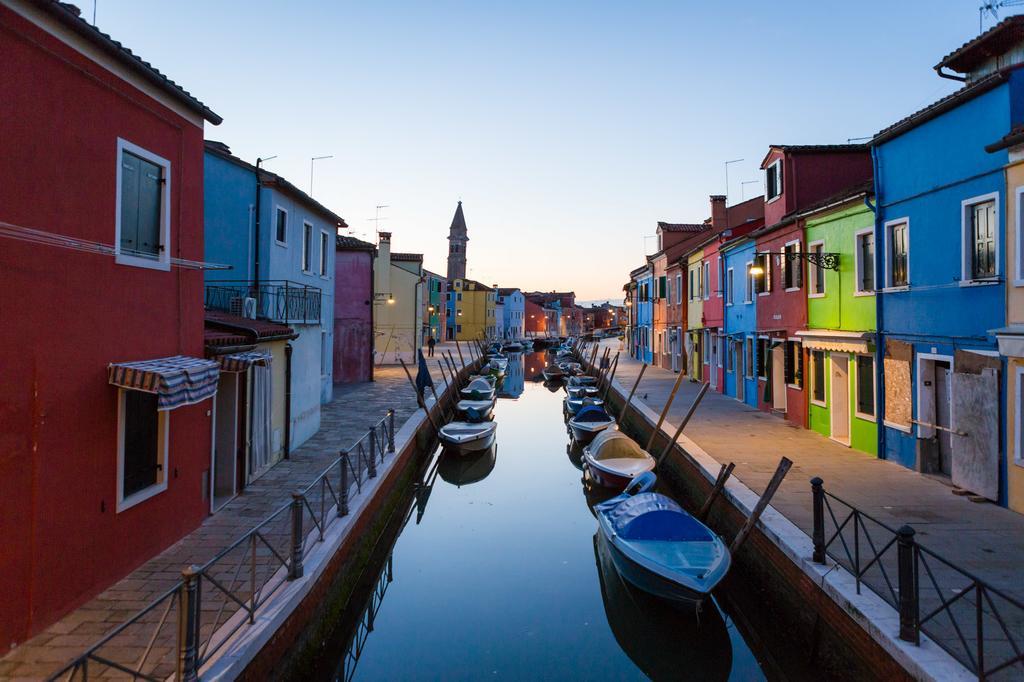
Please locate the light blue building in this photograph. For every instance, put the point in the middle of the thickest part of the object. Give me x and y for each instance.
(282, 270)
(936, 260)
(740, 321)
(643, 302)
(514, 312)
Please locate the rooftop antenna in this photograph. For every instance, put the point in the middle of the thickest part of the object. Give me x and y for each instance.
(311, 160)
(992, 7)
(94, 3)
(743, 187)
(851, 140)
(376, 219)
(727, 180)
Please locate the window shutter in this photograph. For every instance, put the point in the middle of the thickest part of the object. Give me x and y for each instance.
(799, 350)
(130, 202)
(150, 190)
(798, 264)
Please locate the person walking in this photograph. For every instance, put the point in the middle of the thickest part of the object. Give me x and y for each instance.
(431, 342)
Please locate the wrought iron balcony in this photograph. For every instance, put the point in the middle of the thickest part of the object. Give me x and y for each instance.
(276, 300)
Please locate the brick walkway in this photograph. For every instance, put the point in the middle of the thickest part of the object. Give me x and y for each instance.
(984, 539)
(347, 418)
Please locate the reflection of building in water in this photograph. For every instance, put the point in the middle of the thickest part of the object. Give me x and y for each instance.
(512, 386)
(533, 365)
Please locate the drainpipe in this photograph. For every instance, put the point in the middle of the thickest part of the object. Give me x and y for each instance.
(287, 400)
(371, 304)
(879, 304)
(256, 243)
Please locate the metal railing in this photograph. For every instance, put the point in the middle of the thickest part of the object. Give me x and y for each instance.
(277, 300)
(181, 630)
(354, 650)
(976, 623)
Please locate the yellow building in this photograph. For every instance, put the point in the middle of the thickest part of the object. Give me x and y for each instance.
(471, 310)
(397, 313)
(698, 288)
(1011, 337)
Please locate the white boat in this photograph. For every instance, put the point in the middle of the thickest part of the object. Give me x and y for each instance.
(475, 410)
(466, 437)
(588, 422)
(478, 389)
(574, 405)
(570, 367)
(583, 380)
(614, 459)
(553, 373)
(513, 347)
(658, 547)
(581, 391)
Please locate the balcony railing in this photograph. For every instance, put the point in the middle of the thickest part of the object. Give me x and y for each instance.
(276, 300)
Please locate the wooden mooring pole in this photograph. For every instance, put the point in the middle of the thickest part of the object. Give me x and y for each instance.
(608, 386)
(664, 412)
(723, 476)
(773, 485)
(419, 398)
(461, 359)
(625, 406)
(682, 424)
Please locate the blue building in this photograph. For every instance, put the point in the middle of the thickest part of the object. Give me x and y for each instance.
(282, 271)
(514, 312)
(937, 263)
(643, 303)
(740, 321)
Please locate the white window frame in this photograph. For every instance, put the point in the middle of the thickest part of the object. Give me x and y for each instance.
(787, 264)
(1018, 433)
(812, 272)
(856, 387)
(750, 283)
(826, 361)
(966, 246)
(777, 164)
(325, 249)
(163, 259)
(679, 288)
(163, 455)
(287, 217)
(721, 278)
(767, 275)
(887, 256)
(1018, 279)
(306, 247)
(727, 285)
(706, 276)
(785, 349)
(858, 266)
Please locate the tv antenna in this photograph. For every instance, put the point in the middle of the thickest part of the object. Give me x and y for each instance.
(992, 7)
(376, 219)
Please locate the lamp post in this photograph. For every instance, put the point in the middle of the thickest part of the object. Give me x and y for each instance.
(311, 160)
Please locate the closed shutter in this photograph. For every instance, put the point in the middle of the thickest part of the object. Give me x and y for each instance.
(130, 173)
(141, 191)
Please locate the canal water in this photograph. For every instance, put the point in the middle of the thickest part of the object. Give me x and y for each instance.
(498, 573)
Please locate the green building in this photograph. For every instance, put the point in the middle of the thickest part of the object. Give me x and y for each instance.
(840, 335)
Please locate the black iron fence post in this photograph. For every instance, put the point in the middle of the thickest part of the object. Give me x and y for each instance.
(188, 625)
(391, 430)
(343, 486)
(295, 570)
(908, 604)
(818, 532)
(371, 467)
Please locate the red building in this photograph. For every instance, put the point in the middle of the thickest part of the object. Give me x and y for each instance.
(536, 320)
(796, 177)
(105, 410)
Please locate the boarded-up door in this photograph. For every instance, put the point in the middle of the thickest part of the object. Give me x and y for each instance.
(975, 424)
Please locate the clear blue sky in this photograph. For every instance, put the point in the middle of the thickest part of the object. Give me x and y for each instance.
(567, 129)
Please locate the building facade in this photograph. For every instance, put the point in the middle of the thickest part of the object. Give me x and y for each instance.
(397, 307)
(353, 310)
(741, 320)
(434, 313)
(471, 311)
(514, 312)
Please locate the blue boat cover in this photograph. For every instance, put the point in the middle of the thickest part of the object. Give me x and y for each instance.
(592, 413)
(650, 516)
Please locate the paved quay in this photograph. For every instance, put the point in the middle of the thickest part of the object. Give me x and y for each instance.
(981, 538)
(347, 418)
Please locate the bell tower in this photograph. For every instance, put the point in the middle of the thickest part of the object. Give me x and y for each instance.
(457, 239)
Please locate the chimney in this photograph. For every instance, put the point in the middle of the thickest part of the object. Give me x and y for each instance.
(718, 212)
(382, 269)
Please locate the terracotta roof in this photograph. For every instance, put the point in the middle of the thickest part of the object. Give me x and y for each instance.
(346, 243)
(1010, 139)
(474, 285)
(69, 16)
(639, 270)
(866, 187)
(681, 227)
(262, 330)
(941, 106)
(746, 211)
(820, 148)
(506, 291)
(994, 42)
(416, 257)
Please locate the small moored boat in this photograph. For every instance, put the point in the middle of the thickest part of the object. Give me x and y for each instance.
(583, 380)
(464, 437)
(658, 547)
(460, 470)
(478, 389)
(475, 410)
(574, 405)
(614, 459)
(581, 391)
(588, 422)
(514, 347)
(553, 373)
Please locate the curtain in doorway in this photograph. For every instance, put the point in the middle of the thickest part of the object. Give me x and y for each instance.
(260, 417)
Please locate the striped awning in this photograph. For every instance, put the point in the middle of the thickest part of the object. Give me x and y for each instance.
(239, 362)
(836, 340)
(176, 381)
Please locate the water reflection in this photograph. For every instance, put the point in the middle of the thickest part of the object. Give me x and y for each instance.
(460, 470)
(512, 386)
(501, 578)
(664, 642)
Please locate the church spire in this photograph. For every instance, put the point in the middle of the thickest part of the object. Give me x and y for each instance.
(457, 239)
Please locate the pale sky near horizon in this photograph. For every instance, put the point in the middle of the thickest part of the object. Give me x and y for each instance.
(567, 129)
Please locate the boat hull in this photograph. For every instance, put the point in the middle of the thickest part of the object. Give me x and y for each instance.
(652, 583)
(606, 478)
(584, 433)
(466, 447)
